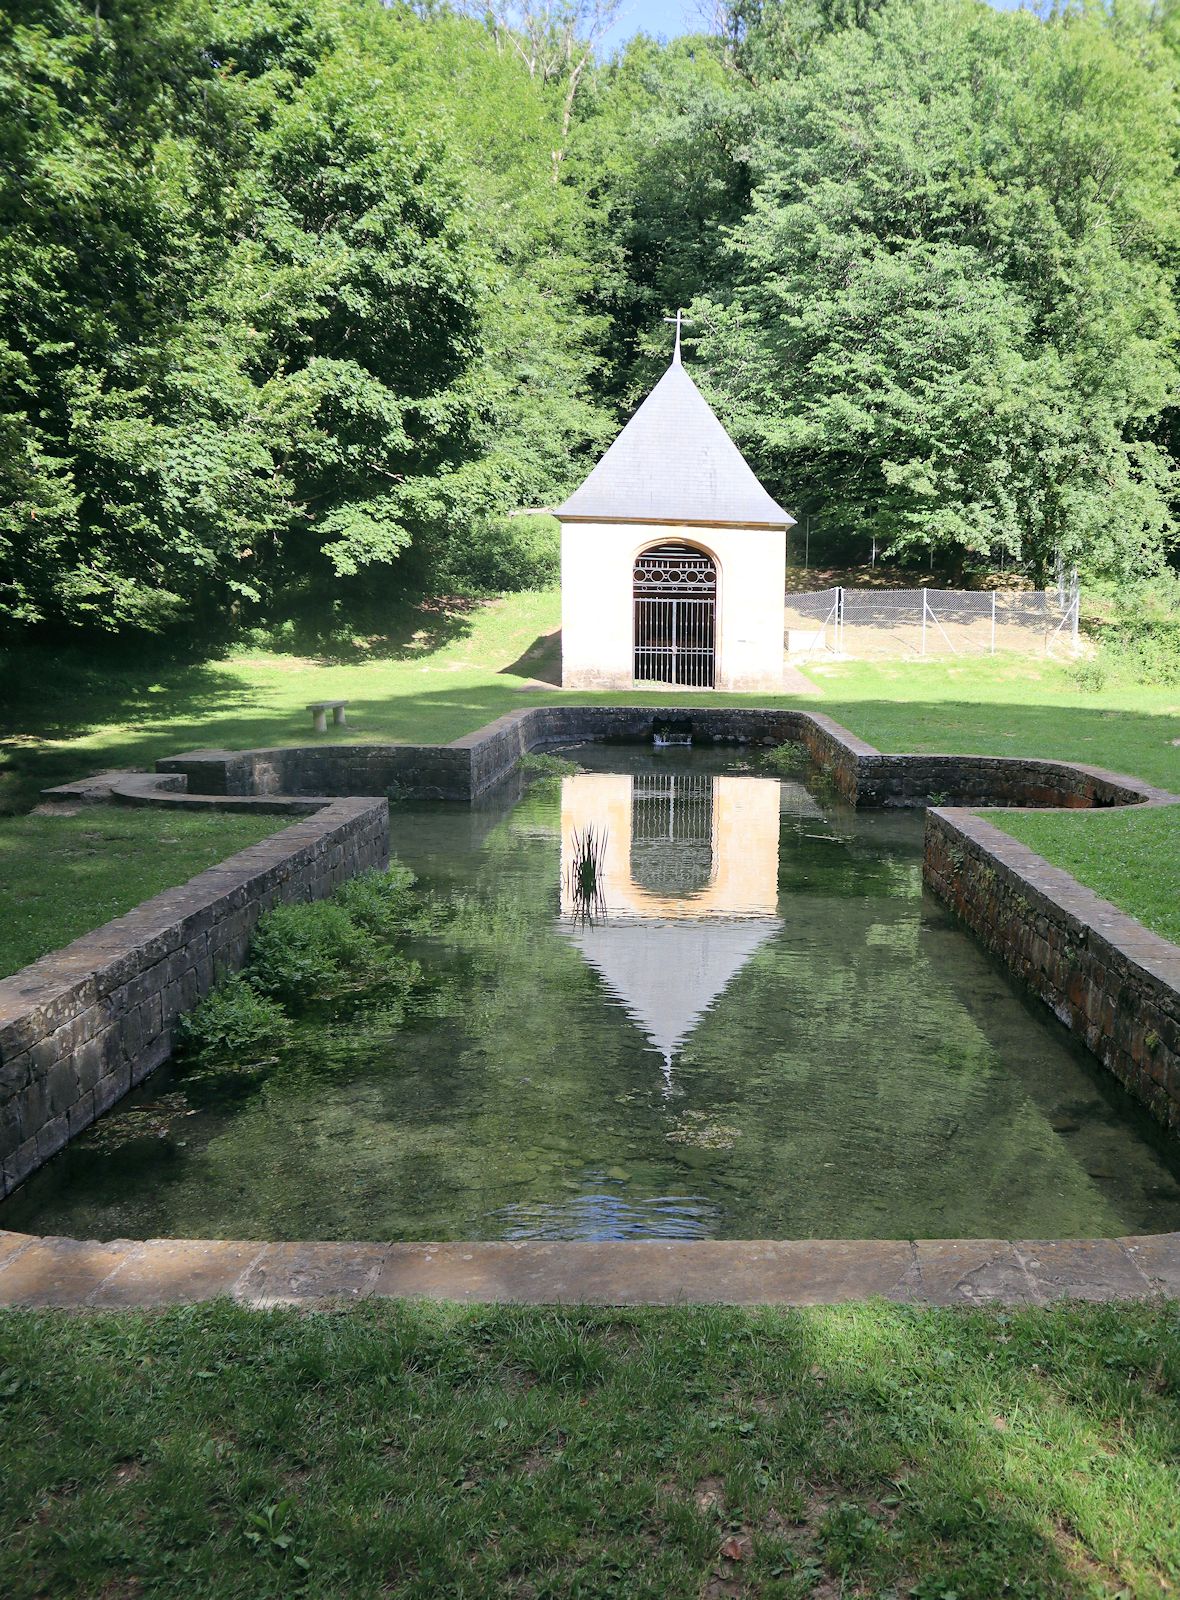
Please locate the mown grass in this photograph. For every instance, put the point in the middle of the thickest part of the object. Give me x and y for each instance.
(434, 682)
(60, 876)
(426, 1450)
(1130, 857)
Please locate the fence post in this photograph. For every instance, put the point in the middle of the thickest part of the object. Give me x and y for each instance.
(923, 622)
(993, 622)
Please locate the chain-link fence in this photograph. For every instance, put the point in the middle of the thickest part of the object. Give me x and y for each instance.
(927, 622)
(812, 621)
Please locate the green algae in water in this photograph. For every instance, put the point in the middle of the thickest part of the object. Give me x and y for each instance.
(772, 1032)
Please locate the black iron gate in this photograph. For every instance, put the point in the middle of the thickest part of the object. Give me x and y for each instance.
(675, 616)
(672, 833)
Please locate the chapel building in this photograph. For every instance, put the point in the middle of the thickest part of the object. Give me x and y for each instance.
(673, 557)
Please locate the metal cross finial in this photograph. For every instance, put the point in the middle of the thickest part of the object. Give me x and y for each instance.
(677, 319)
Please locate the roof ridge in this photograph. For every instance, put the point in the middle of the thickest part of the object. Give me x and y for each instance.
(673, 461)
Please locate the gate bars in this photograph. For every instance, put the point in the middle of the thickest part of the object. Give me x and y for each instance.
(675, 598)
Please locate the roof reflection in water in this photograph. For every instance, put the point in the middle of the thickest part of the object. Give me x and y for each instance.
(610, 1216)
(690, 885)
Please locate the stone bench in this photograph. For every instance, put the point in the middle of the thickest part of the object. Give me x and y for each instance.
(319, 709)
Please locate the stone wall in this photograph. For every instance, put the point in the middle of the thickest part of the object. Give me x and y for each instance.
(909, 780)
(83, 1025)
(1114, 984)
(80, 1027)
(472, 765)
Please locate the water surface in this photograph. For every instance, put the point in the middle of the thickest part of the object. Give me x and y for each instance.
(766, 1030)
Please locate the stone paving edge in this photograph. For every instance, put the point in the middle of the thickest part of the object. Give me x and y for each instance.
(121, 1274)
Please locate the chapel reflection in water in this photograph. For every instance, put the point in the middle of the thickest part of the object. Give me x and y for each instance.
(690, 888)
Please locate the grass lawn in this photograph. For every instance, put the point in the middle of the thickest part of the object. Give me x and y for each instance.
(1133, 857)
(426, 1450)
(443, 675)
(62, 876)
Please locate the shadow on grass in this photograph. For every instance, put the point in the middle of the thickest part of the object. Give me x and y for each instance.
(199, 707)
(541, 661)
(605, 1454)
(402, 630)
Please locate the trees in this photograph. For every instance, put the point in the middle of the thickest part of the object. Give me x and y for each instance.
(257, 335)
(555, 40)
(660, 151)
(950, 319)
(305, 297)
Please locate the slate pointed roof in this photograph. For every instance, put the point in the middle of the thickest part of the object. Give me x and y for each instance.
(674, 462)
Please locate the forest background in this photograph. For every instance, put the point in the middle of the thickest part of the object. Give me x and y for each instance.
(302, 302)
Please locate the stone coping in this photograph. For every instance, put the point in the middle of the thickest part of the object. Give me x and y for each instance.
(84, 1024)
(472, 765)
(85, 1275)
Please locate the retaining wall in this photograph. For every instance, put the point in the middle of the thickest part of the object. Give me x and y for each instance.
(470, 766)
(474, 764)
(1113, 982)
(82, 1026)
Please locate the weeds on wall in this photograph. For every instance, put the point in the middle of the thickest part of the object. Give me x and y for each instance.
(543, 773)
(302, 955)
(233, 1024)
(541, 764)
(786, 761)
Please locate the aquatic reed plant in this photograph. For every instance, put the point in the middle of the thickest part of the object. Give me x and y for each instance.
(586, 872)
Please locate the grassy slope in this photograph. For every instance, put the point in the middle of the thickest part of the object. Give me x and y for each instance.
(459, 673)
(1131, 859)
(62, 876)
(430, 1450)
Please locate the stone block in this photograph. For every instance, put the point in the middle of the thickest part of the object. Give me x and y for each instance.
(61, 1085)
(19, 1163)
(52, 1135)
(175, 1272)
(294, 1274)
(111, 1088)
(1083, 1269)
(81, 1114)
(17, 1036)
(12, 1134)
(15, 1074)
(58, 1272)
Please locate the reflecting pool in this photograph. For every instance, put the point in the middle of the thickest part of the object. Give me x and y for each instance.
(760, 1027)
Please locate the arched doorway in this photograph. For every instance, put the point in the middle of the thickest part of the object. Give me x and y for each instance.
(675, 616)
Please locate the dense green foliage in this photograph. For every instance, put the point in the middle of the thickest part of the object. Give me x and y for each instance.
(233, 1026)
(300, 299)
(301, 954)
(931, 251)
(256, 331)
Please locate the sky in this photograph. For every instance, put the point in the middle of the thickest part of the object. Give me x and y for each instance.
(666, 18)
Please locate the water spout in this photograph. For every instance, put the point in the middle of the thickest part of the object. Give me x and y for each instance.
(668, 731)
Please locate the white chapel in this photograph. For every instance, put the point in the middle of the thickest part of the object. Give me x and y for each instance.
(673, 557)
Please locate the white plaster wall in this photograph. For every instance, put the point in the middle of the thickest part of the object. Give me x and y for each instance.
(597, 567)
